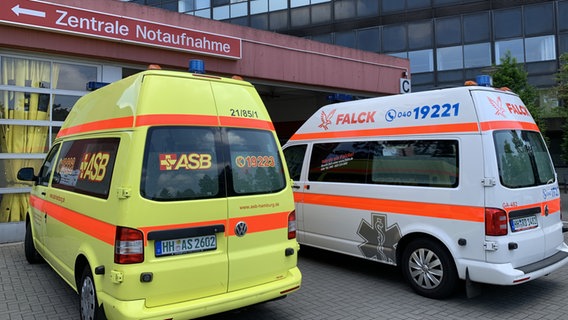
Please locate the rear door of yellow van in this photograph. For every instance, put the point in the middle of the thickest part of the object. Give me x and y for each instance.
(260, 199)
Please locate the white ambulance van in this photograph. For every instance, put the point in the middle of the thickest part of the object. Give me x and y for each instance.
(166, 196)
(447, 184)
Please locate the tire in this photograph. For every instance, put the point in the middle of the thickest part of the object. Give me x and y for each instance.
(88, 302)
(429, 269)
(32, 256)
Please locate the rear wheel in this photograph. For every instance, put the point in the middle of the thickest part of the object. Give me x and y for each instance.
(89, 307)
(429, 269)
(32, 256)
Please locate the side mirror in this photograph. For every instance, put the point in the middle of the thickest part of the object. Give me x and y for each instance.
(27, 174)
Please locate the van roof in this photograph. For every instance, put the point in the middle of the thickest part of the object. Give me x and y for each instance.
(118, 104)
(469, 109)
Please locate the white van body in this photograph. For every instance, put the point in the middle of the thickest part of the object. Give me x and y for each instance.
(449, 184)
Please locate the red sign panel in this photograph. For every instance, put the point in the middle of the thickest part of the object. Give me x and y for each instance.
(61, 18)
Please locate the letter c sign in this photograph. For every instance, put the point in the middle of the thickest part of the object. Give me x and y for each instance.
(404, 85)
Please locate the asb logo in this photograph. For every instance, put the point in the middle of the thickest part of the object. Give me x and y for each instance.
(94, 166)
(192, 161)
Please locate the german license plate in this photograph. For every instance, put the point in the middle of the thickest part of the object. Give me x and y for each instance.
(523, 223)
(186, 245)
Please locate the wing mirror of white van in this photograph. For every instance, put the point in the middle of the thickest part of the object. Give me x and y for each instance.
(27, 174)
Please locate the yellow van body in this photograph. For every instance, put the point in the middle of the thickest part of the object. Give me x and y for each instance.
(169, 192)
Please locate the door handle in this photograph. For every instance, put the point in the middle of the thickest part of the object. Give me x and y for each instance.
(295, 187)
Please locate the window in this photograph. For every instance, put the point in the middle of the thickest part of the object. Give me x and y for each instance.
(448, 31)
(476, 28)
(36, 95)
(255, 162)
(394, 38)
(522, 159)
(47, 167)
(507, 23)
(427, 163)
(432, 163)
(449, 58)
(339, 162)
(258, 6)
(346, 39)
(369, 39)
(539, 19)
(420, 35)
(421, 61)
(344, 9)
(200, 165)
(294, 160)
(515, 47)
(86, 166)
(562, 13)
(181, 169)
(477, 55)
(540, 49)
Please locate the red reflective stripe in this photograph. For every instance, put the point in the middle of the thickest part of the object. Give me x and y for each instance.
(115, 123)
(176, 119)
(246, 123)
(93, 227)
(434, 210)
(500, 125)
(440, 128)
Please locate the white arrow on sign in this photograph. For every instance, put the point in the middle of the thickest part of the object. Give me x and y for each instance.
(17, 10)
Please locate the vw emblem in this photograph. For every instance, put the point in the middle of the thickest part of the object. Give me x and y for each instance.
(241, 229)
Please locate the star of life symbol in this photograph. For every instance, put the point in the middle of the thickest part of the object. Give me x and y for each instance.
(380, 242)
(498, 105)
(326, 119)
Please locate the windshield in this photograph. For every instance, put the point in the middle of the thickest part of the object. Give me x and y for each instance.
(522, 158)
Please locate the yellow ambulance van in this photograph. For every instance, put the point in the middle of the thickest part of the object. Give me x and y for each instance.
(166, 196)
(448, 184)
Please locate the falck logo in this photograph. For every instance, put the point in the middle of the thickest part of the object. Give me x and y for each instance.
(498, 105)
(241, 229)
(326, 119)
(380, 241)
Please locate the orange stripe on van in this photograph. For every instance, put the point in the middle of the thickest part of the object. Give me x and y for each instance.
(260, 223)
(95, 228)
(176, 119)
(446, 211)
(108, 124)
(167, 119)
(440, 128)
(553, 206)
(246, 123)
(500, 125)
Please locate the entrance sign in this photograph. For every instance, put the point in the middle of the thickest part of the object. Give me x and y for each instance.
(66, 19)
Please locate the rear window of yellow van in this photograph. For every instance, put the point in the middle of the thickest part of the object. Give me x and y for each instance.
(183, 163)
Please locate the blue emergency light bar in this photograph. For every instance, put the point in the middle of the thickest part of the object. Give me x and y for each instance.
(484, 80)
(197, 66)
(94, 85)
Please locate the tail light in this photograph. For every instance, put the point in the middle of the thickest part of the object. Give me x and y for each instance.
(292, 225)
(495, 222)
(128, 246)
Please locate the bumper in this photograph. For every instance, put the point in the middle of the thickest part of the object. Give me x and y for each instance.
(506, 274)
(116, 309)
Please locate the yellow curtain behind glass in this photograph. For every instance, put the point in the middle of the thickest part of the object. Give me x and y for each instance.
(18, 138)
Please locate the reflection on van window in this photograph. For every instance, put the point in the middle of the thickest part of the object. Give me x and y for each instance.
(180, 163)
(522, 159)
(47, 167)
(86, 166)
(255, 162)
(430, 163)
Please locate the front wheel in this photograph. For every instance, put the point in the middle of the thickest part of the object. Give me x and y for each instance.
(89, 307)
(32, 256)
(429, 269)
